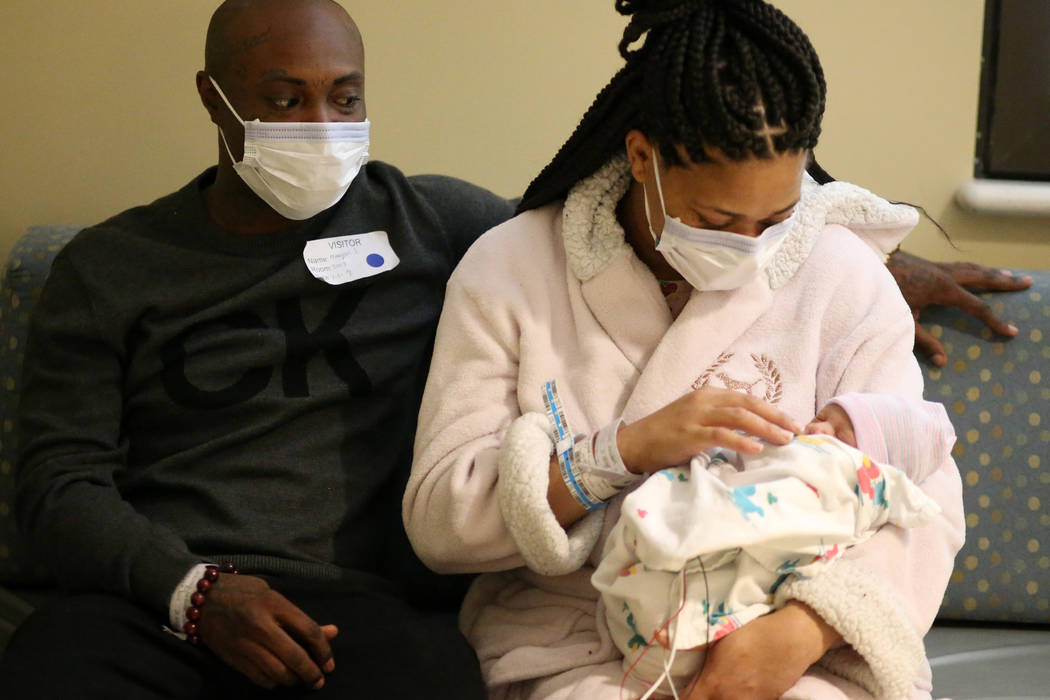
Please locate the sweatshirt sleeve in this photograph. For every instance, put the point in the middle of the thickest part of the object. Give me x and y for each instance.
(477, 497)
(69, 423)
(884, 594)
(465, 210)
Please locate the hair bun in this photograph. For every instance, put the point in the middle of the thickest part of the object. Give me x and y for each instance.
(649, 14)
(656, 7)
(668, 8)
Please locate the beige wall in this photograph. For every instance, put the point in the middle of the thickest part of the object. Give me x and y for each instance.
(102, 113)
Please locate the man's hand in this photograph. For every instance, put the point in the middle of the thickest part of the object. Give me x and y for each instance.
(765, 657)
(924, 283)
(257, 631)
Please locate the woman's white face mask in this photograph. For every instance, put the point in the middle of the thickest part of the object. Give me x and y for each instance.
(713, 260)
(299, 168)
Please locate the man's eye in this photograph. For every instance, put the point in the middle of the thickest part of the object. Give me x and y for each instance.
(347, 101)
(284, 102)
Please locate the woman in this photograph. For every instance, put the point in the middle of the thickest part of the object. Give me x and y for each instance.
(672, 269)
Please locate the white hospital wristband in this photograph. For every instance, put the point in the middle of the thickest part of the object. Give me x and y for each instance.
(607, 454)
(601, 468)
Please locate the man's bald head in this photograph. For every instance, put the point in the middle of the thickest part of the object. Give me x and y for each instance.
(239, 26)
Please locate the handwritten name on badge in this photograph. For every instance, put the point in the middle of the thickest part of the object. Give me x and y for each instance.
(347, 258)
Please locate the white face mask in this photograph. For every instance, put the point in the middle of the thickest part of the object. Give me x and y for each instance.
(713, 260)
(299, 168)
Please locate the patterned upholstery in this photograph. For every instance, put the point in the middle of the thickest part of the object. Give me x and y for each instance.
(997, 392)
(23, 278)
(998, 396)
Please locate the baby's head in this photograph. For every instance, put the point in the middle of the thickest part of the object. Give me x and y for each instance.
(833, 420)
(893, 430)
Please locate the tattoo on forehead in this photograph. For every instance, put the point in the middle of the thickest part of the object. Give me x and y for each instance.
(252, 41)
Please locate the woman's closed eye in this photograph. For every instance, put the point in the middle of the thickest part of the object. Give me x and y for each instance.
(779, 219)
(712, 223)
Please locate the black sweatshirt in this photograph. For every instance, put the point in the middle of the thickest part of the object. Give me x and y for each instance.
(192, 394)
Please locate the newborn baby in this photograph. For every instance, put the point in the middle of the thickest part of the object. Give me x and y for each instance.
(701, 550)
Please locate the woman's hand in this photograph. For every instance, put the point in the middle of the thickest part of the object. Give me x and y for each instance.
(765, 657)
(705, 418)
(681, 430)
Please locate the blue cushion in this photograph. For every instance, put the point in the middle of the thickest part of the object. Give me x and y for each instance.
(27, 267)
(997, 393)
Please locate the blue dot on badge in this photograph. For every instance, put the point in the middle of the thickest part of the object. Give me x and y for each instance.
(375, 260)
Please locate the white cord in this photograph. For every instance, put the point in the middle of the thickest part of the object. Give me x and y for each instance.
(672, 626)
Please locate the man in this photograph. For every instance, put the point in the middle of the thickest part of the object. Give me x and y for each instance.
(232, 374)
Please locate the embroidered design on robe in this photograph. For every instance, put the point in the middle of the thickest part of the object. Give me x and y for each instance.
(768, 386)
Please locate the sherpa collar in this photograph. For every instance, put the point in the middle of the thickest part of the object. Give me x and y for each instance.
(593, 236)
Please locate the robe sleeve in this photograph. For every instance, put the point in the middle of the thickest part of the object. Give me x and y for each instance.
(883, 595)
(477, 496)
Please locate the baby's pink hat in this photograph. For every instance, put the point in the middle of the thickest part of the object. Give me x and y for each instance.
(911, 434)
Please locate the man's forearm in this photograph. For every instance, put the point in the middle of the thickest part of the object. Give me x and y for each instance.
(92, 539)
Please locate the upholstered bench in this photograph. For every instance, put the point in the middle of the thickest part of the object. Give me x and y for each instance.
(23, 584)
(992, 639)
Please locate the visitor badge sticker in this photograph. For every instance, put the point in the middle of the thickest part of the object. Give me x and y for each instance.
(347, 258)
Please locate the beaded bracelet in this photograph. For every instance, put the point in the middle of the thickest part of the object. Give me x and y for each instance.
(193, 613)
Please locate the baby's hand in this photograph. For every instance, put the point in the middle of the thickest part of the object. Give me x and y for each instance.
(833, 420)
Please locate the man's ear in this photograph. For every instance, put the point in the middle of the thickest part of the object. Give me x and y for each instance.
(209, 96)
(640, 153)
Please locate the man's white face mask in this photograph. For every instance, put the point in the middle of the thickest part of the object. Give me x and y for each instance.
(713, 260)
(299, 168)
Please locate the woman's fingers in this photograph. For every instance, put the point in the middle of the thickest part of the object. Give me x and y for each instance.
(720, 399)
(746, 420)
(700, 420)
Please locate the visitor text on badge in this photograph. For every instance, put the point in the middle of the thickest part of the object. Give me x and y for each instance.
(347, 258)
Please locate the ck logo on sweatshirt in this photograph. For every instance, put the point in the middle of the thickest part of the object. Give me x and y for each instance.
(301, 345)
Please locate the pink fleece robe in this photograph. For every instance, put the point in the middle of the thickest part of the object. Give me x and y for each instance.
(557, 293)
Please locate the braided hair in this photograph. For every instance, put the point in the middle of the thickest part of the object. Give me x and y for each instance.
(736, 75)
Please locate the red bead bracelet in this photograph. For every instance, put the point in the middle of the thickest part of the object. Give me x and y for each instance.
(193, 613)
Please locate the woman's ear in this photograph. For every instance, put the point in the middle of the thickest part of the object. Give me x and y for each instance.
(640, 153)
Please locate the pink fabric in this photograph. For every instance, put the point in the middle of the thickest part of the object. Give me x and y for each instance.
(905, 432)
(517, 316)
